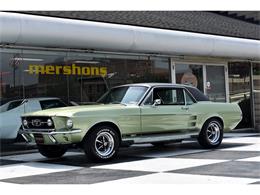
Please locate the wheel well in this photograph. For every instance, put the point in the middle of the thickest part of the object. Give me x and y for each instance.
(110, 124)
(217, 118)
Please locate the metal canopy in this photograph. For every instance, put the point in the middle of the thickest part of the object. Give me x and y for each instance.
(40, 31)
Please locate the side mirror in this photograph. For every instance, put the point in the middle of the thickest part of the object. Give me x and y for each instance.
(157, 102)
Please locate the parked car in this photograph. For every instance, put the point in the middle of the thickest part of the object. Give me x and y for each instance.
(132, 114)
(10, 113)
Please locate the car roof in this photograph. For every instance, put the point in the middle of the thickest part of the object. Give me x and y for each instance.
(157, 84)
(195, 92)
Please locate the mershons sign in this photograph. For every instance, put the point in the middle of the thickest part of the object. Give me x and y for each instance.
(67, 70)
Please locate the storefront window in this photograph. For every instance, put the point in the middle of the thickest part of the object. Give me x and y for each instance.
(239, 88)
(107, 71)
(73, 76)
(11, 78)
(256, 77)
(256, 90)
(190, 74)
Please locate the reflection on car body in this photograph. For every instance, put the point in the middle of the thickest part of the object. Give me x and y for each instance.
(154, 113)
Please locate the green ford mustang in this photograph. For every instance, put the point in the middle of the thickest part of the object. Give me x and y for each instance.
(154, 113)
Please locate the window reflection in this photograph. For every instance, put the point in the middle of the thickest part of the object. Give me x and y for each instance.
(239, 87)
(256, 90)
(124, 95)
(72, 76)
(190, 74)
(215, 83)
(11, 76)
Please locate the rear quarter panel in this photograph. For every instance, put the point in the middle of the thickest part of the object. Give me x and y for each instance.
(229, 113)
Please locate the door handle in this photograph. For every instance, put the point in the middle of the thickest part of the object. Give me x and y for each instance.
(185, 108)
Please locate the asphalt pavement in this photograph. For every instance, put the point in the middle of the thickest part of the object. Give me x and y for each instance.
(236, 161)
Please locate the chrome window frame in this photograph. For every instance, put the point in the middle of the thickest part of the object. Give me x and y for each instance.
(163, 86)
(138, 103)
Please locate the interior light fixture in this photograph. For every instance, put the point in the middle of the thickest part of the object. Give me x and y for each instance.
(86, 62)
(28, 59)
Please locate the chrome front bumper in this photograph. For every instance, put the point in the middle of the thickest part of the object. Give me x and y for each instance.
(27, 134)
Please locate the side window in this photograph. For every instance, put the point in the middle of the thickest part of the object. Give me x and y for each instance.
(169, 96)
(14, 104)
(189, 99)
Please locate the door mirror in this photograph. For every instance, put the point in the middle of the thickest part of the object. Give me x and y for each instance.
(157, 102)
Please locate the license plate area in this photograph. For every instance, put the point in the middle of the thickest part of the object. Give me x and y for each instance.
(39, 138)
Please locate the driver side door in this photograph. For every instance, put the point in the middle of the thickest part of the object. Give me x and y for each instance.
(171, 116)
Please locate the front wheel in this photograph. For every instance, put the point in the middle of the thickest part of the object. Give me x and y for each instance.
(101, 144)
(211, 134)
(52, 151)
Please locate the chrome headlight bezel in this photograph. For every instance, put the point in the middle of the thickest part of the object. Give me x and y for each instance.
(25, 123)
(69, 123)
(49, 123)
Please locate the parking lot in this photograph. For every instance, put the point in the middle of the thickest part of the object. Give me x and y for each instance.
(237, 161)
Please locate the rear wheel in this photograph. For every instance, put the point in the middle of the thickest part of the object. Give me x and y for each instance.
(211, 134)
(52, 151)
(101, 144)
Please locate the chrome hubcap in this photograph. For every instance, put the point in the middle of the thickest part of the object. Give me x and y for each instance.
(104, 143)
(213, 132)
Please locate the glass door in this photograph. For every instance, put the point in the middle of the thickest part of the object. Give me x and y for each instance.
(211, 79)
(215, 86)
(189, 74)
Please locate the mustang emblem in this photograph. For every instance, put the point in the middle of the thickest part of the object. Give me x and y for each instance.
(36, 122)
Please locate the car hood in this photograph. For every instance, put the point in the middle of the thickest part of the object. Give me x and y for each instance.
(72, 110)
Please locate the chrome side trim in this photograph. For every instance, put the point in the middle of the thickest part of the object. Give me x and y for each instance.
(41, 130)
(49, 133)
(157, 138)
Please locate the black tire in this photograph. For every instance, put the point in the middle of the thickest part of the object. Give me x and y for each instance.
(52, 151)
(101, 144)
(211, 134)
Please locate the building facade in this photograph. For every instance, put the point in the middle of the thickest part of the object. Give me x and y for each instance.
(80, 58)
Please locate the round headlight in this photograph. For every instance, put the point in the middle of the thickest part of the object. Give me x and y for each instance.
(25, 122)
(49, 122)
(69, 123)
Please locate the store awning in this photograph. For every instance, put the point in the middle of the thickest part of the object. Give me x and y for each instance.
(41, 31)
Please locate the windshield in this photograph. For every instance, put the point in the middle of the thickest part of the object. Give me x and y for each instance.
(123, 95)
(47, 104)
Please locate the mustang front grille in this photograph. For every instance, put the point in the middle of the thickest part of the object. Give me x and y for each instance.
(37, 123)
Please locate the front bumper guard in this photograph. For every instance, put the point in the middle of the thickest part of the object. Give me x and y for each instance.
(27, 134)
